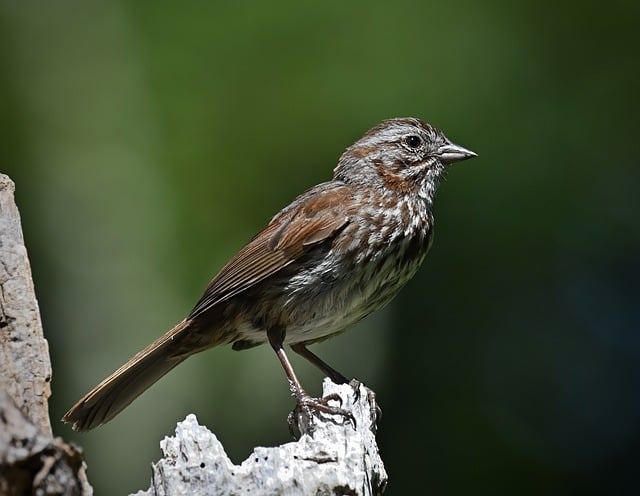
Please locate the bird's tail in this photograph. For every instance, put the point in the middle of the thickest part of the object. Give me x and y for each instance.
(117, 391)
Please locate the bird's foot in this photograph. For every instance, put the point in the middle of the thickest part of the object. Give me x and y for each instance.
(375, 411)
(302, 418)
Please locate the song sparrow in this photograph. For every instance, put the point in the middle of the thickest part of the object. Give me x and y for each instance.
(338, 252)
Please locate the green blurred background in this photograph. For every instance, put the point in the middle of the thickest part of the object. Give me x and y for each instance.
(149, 140)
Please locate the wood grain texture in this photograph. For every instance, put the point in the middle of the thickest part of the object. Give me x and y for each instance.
(25, 368)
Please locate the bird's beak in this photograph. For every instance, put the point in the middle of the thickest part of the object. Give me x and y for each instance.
(450, 152)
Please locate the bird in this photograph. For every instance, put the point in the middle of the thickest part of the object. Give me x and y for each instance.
(338, 252)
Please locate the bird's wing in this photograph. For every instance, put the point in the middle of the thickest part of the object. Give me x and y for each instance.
(313, 218)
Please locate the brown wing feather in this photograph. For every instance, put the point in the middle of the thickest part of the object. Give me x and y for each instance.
(310, 220)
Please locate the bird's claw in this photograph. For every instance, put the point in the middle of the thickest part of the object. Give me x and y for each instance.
(375, 410)
(308, 407)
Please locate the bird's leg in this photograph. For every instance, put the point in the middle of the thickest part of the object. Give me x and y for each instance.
(302, 416)
(302, 350)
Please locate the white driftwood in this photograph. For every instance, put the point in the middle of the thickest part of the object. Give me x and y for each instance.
(31, 460)
(339, 458)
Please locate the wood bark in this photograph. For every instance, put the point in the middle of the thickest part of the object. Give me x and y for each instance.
(31, 460)
(25, 369)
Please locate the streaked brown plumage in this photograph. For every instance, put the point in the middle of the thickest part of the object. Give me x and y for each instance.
(338, 252)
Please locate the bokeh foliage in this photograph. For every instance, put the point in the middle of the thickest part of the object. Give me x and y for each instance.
(150, 140)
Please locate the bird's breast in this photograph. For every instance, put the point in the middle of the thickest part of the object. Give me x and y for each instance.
(341, 281)
(362, 270)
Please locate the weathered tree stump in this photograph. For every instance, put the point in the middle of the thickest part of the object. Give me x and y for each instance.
(340, 456)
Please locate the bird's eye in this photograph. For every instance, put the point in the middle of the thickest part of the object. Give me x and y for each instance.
(413, 141)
